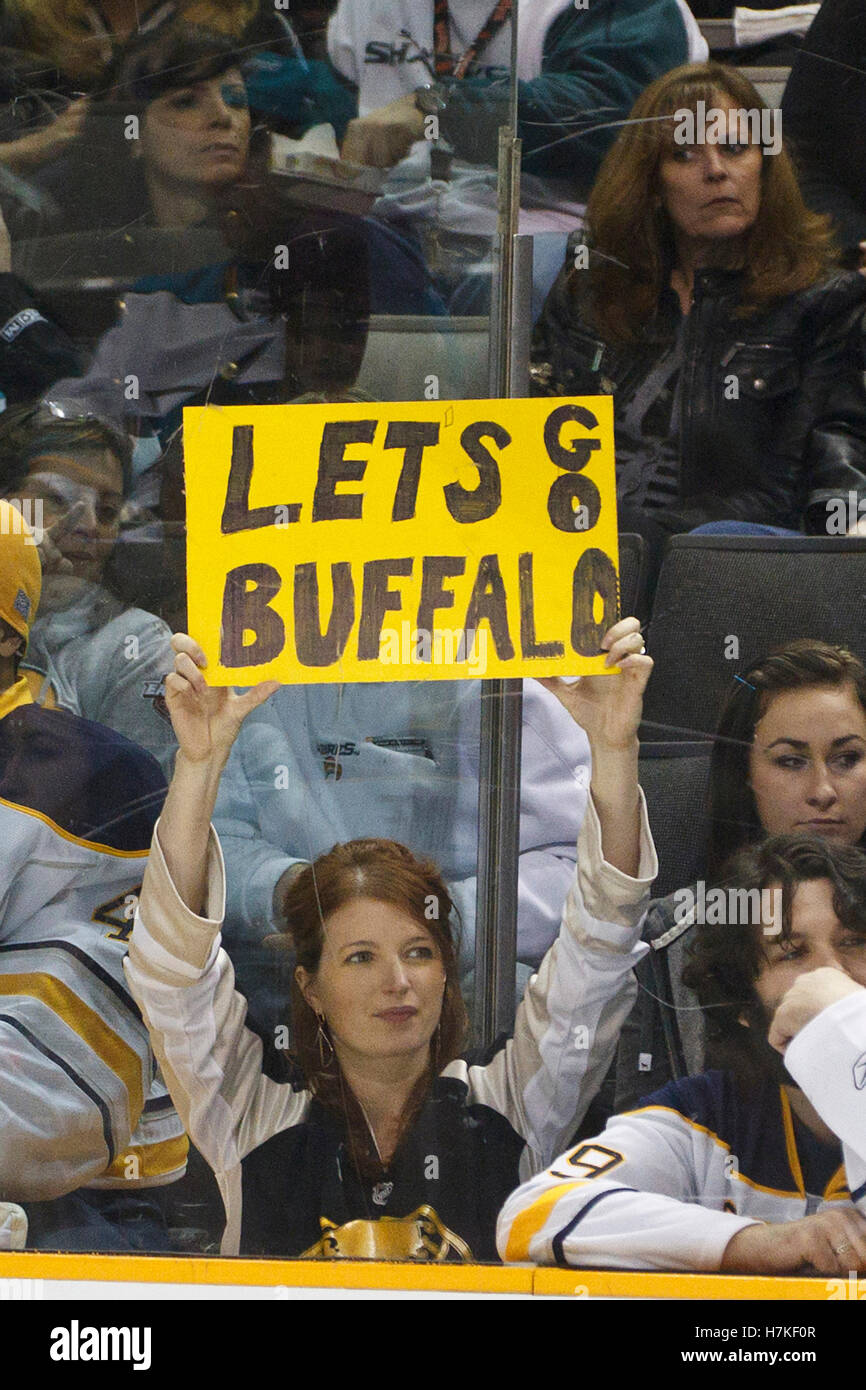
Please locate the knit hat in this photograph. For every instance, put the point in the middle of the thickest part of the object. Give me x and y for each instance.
(20, 571)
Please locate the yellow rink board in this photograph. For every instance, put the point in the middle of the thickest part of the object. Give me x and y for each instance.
(323, 1274)
(600, 1283)
(362, 1274)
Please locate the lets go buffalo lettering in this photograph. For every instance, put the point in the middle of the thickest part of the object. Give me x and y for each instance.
(316, 534)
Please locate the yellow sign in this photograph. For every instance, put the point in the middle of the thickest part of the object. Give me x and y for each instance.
(374, 542)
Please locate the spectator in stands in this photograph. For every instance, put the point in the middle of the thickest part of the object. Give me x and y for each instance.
(86, 1132)
(249, 332)
(33, 350)
(706, 302)
(579, 72)
(56, 49)
(824, 110)
(386, 1141)
(720, 1171)
(172, 132)
(579, 69)
(395, 760)
(789, 757)
(93, 653)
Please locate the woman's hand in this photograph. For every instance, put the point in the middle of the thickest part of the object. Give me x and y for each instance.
(206, 719)
(41, 146)
(51, 556)
(609, 708)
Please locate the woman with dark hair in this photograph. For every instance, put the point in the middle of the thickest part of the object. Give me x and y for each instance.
(705, 300)
(168, 135)
(54, 50)
(789, 757)
(381, 1138)
(764, 783)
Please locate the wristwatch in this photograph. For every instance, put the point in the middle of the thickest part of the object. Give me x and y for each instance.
(431, 99)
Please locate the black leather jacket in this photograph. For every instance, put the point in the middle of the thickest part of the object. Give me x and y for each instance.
(772, 406)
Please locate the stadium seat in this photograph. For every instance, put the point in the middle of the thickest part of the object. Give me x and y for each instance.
(633, 589)
(675, 779)
(404, 352)
(723, 601)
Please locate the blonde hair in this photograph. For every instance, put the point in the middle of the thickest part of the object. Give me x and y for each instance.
(58, 29)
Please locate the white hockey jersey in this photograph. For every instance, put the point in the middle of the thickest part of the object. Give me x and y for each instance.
(667, 1186)
(80, 1100)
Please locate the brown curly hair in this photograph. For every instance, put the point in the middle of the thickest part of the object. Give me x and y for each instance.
(725, 959)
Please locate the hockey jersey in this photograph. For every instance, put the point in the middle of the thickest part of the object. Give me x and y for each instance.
(667, 1186)
(80, 1099)
(284, 1166)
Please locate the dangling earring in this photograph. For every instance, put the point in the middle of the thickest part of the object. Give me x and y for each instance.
(434, 1051)
(324, 1041)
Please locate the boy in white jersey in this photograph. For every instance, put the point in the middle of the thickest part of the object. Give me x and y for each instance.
(760, 1167)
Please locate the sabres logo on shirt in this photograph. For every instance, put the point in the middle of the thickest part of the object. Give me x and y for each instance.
(155, 691)
(860, 1072)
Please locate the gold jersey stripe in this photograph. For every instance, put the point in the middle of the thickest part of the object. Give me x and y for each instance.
(117, 1055)
(74, 839)
(837, 1187)
(528, 1223)
(151, 1160)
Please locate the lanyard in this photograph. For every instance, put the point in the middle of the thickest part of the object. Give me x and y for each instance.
(446, 65)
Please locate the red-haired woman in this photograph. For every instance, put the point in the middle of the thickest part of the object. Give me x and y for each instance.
(706, 301)
(381, 1139)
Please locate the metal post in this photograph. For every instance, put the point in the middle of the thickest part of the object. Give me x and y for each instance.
(502, 700)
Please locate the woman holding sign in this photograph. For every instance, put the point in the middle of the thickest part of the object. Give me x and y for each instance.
(706, 301)
(381, 1139)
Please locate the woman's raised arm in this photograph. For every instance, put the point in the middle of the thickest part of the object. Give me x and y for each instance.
(609, 709)
(206, 721)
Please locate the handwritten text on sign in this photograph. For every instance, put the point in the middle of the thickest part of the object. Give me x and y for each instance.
(376, 542)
